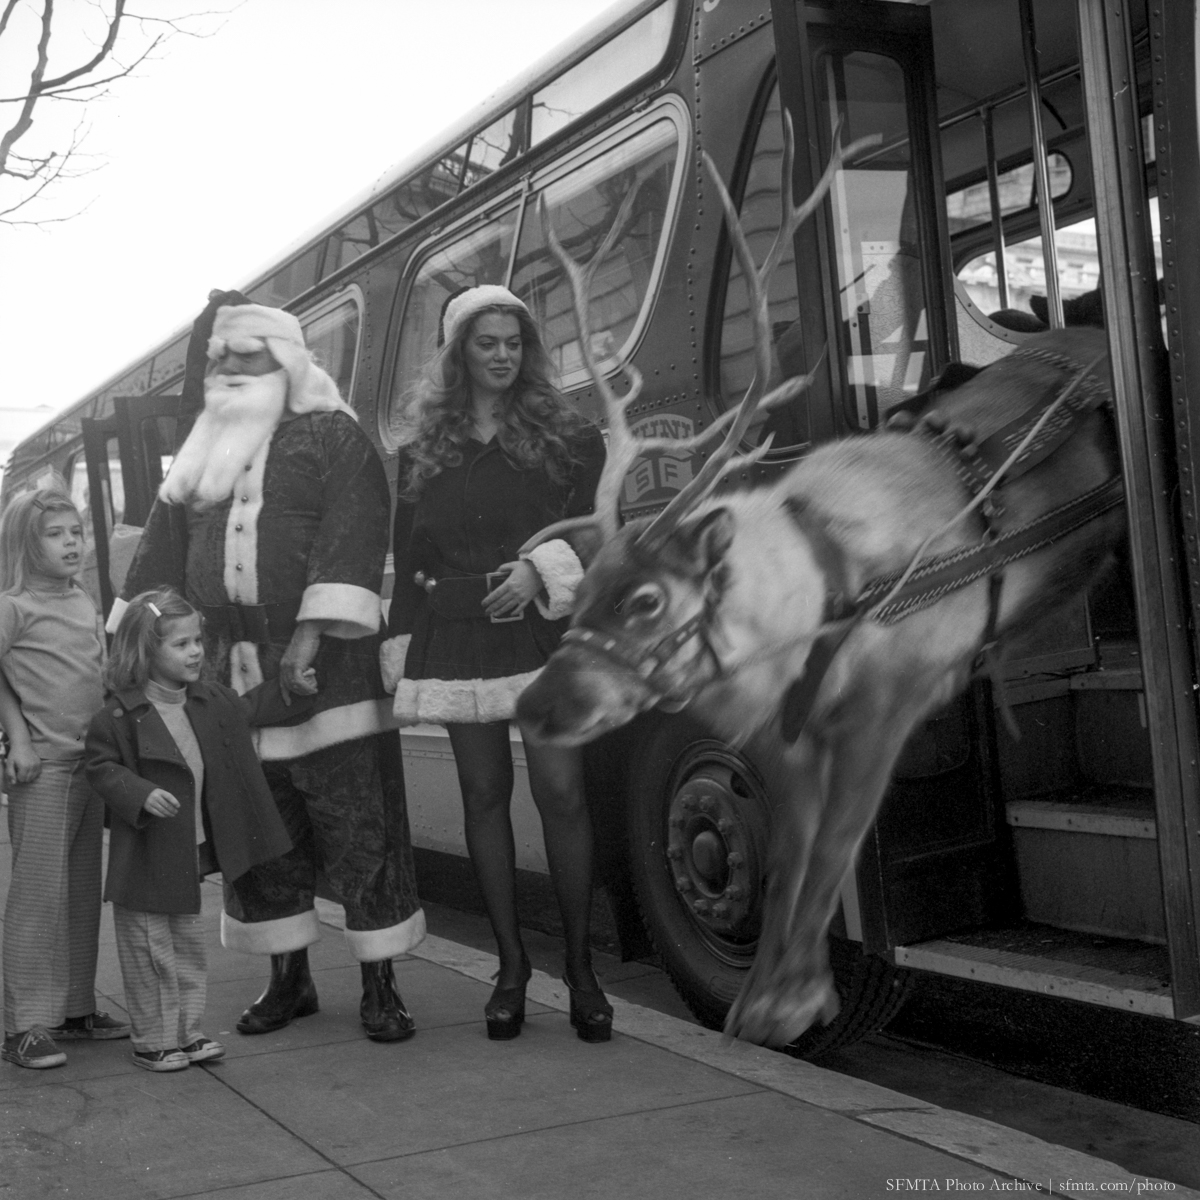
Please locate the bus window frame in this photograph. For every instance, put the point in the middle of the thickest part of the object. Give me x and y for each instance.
(518, 196)
(926, 180)
(354, 293)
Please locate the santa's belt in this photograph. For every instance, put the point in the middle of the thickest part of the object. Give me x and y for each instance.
(259, 623)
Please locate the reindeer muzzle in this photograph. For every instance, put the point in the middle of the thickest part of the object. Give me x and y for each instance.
(646, 664)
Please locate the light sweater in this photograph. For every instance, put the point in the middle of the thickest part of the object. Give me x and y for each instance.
(51, 654)
(170, 705)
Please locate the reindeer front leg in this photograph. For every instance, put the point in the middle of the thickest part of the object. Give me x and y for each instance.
(832, 782)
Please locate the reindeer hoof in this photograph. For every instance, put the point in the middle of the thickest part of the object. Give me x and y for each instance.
(778, 1019)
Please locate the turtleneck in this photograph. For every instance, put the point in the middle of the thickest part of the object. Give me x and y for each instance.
(169, 702)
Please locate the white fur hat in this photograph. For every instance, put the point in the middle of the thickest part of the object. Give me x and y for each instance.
(466, 304)
(245, 328)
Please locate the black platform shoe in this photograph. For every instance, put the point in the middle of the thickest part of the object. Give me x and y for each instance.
(290, 993)
(591, 1013)
(505, 1011)
(384, 1016)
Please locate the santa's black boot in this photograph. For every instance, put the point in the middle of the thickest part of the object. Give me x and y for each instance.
(384, 1016)
(290, 993)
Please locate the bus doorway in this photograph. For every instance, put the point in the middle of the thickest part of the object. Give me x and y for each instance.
(1055, 866)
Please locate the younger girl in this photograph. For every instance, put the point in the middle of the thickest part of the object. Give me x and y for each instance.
(174, 760)
(50, 658)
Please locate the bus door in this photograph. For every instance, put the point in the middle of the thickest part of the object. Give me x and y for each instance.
(935, 861)
(127, 456)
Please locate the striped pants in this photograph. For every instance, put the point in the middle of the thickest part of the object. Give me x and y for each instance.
(164, 967)
(52, 920)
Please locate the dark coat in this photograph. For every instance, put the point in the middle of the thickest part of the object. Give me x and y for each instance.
(469, 519)
(152, 861)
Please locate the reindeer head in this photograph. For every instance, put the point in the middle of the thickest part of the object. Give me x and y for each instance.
(637, 636)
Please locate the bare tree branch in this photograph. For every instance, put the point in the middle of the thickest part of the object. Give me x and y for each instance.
(8, 12)
(57, 93)
(24, 122)
(106, 48)
(31, 175)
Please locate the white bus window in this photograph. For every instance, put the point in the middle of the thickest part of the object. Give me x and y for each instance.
(478, 256)
(582, 207)
(493, 147)
(605, 72)
(331, 333)
(971, 207)
(1078, 273)
(760, 220)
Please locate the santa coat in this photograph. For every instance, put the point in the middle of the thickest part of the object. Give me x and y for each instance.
(306, 526)
(468, 520)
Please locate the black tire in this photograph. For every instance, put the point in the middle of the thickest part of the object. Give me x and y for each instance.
(698, 824)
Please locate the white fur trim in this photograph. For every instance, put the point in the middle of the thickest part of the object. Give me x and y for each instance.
(310, 389)
(465, 306)
(114, 617)
(561, 571)
(241, 530)
(234, 322)
(245, 671)
(328, 728)
(354, 611)
(270, 937)
(392, 654)
(372, 945)
(459, 701)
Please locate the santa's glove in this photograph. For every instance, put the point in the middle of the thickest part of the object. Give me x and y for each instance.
(392, 654)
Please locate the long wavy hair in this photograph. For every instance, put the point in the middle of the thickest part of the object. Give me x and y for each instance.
(20, 534)
(139, 635)
(538, 429)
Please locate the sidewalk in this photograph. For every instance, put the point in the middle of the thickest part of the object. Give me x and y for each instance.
(316, 1111)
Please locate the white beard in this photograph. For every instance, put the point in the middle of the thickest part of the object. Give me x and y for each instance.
(240, 414)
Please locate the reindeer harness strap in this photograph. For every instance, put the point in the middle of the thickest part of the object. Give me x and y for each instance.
(932, 580)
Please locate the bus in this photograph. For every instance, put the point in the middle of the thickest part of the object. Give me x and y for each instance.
(1032, 167)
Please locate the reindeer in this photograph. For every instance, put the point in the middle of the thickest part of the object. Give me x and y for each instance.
(820, 620)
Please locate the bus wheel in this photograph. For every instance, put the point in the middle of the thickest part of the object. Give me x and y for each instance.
(699, 827)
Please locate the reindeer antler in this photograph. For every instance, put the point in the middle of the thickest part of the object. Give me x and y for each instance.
(722, 460)
(624, 447)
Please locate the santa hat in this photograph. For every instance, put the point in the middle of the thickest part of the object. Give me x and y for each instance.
(245, 328)
(463, 306)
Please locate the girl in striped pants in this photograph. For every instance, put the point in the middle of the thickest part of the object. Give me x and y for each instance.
(50, 660)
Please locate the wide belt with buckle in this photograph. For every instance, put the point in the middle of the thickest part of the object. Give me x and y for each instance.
(258, 623)
(460, 597)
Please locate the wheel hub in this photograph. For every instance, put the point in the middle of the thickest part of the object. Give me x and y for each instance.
(713, 854)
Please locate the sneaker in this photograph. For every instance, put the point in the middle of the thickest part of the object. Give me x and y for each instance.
(34, 1048)
(202, 1050)
(95, 1027)
(161, 1060)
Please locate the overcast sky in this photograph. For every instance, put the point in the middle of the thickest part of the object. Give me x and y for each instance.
(224, 151)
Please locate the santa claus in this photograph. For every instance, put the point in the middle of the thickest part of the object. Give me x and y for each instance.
(273, 521)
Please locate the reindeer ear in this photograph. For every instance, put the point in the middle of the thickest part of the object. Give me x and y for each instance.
(710, 536)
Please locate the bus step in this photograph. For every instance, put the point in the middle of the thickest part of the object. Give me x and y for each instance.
(1090, 863)
(1112, 972)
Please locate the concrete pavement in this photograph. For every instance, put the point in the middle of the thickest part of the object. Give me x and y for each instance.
(316, 1111)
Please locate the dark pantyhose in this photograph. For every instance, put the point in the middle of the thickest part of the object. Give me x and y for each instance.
(483, 756)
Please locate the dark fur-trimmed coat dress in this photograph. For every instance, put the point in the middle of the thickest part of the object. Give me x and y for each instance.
(468, 520)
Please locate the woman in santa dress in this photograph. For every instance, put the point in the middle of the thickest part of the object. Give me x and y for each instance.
(491, 454)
